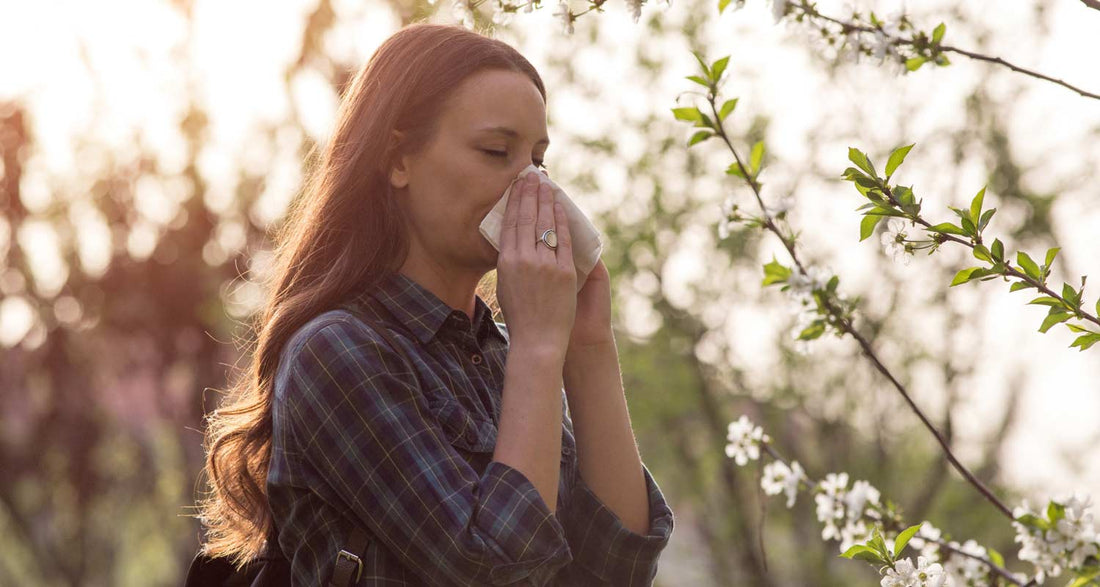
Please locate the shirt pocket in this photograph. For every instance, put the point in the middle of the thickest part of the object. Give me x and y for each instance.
(465, 430)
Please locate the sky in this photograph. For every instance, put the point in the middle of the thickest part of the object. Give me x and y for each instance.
(144, 67)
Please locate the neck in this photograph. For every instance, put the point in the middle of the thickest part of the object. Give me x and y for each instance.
(455, 286)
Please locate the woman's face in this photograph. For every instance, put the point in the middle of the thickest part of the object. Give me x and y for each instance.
(492, 127)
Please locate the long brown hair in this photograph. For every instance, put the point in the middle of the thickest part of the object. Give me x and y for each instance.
(343, 234)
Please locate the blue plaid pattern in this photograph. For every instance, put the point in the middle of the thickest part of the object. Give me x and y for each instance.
(405, 451)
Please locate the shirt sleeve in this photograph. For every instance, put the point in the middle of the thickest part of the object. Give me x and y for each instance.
(607, 548)
(361, 420)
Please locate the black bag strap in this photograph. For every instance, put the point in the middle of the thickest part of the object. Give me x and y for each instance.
(349, 562)
(349, 565)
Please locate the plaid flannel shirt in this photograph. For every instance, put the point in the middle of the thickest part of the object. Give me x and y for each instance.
(406, 452)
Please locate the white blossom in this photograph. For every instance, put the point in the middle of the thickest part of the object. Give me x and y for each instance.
(780, 207)
(830, 504)
(745, 438)
(563, 14)
(925, 538)
(779, 8)
(462, 13)
(502, 17)
(926, 574)
(779, 478)
(893, 240)
(861, 494)
(802, 284)
(854, 532)
(964, 570)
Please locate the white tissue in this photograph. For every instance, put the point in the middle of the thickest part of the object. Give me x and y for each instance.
(587, 244)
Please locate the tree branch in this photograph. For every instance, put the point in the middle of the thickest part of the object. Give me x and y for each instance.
(846, 326)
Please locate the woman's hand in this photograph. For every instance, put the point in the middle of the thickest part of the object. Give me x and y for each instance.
(592, 324)
(536, 286)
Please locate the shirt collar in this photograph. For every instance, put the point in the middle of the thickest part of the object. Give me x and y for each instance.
(423, 312)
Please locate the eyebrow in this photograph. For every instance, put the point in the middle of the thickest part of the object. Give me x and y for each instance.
(504, 130)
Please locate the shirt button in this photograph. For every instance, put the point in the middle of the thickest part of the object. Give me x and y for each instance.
(476, 359)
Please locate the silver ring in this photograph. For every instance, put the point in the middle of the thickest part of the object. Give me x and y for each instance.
(549, 238)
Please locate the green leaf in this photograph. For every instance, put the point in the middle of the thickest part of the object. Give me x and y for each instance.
(965, 275)
(1076, 328)
(703, 65)
(995, 557)
(982, 253)
(814, 330)
(756, 157)
(914, 63)
(860, 159)
(1018, 286)
(700, 137)
(903, 538)
(1047, 301)
(880, 211)
(1070, 295)
(727, 108)
(896, 158)
(866, 182)
(722, 4)
(1055, 511)
(976, 205)
(942, 60)
(985, 218)
(1029, 266)
(878, 543)
(1086, 340)
(718, 67)
(998, 250)
(775, 272)
(863, 553)
(947, 228)
(1034, 521)
(705, 122)
(735, 169)
(698, 79)
(937, 33)
(1051, 253)
(690, 114)
(1056, 316)
(968, 227)
(867, 226)
(1098, 307)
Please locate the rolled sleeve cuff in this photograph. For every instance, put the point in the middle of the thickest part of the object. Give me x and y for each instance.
(609, 549)
(519, 527)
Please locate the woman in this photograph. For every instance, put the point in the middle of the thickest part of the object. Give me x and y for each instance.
(453, 453)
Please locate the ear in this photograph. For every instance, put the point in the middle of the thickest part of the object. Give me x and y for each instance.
(399, 173)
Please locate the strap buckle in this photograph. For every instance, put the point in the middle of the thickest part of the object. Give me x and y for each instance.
(353, 559)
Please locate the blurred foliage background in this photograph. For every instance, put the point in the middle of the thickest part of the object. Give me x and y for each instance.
(109, 363)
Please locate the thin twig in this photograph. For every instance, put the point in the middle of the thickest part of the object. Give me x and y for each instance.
(812, 12)
(849, 329)
(1009, 269)
(1093, 4)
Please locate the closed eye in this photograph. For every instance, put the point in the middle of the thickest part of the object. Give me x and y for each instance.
(493, 153)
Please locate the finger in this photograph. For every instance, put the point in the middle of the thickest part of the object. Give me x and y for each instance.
(546, 216)
(565, 238)
(511, 212)
(528, 211)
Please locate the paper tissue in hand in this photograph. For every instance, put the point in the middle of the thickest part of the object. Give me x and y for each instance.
(587, 245)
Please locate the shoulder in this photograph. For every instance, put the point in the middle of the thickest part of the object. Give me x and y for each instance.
(338, 343)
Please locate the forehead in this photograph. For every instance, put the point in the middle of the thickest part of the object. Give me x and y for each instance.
(496, 99)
